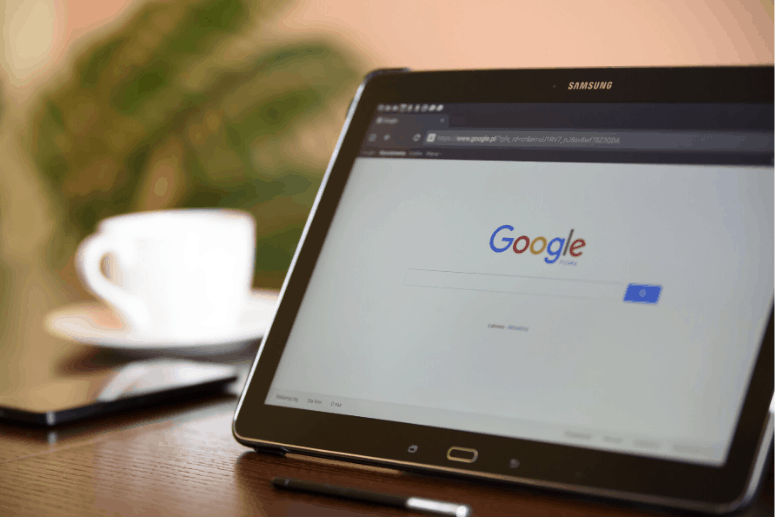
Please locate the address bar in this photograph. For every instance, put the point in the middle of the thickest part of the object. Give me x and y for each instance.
(529, 285)
(610, 140)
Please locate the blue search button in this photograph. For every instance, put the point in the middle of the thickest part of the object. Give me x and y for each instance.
(641, 293)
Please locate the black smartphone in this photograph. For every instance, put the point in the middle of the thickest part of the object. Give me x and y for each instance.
(132, 385)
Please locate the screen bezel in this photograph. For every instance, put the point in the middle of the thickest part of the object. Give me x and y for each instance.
(385, 442)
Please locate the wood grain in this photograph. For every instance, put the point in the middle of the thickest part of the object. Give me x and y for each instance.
(182, 460)
(18, 441)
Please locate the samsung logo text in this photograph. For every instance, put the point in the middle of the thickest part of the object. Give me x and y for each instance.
(591, 86)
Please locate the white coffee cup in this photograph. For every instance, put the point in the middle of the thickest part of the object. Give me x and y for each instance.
(173, 273)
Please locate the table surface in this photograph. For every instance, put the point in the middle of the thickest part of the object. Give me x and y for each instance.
(180, 458)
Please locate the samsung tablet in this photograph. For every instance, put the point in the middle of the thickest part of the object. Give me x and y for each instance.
(555, 278)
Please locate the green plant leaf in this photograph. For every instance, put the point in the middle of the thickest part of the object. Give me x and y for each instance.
(98, 135)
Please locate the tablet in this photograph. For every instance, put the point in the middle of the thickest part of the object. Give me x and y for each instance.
(554, 278)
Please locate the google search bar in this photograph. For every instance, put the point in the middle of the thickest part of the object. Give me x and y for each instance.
(528, 285)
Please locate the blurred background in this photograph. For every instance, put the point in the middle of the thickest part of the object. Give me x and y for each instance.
(108, 107)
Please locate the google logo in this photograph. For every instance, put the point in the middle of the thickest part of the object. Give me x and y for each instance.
(554, 248)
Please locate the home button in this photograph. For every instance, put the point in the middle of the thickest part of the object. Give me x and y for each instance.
(462, 454)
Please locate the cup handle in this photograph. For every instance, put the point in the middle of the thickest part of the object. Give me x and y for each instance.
(88, 259)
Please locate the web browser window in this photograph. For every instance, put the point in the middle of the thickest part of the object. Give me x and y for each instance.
(594, 283)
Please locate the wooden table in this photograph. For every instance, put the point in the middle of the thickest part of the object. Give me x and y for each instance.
(180, 459)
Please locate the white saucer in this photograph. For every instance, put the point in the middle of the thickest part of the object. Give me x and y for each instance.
(95, 323)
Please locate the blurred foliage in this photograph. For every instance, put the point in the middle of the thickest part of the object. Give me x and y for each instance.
(172, 110)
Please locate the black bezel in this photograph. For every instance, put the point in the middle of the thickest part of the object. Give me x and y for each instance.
(376, 441)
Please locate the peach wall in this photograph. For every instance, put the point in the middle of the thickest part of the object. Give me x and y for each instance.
(83, 16)
(549, 33)
(470, 34)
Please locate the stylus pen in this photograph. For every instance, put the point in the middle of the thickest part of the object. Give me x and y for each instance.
(397, 501)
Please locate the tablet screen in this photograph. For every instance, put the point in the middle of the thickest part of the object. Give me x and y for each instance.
(495, 269)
